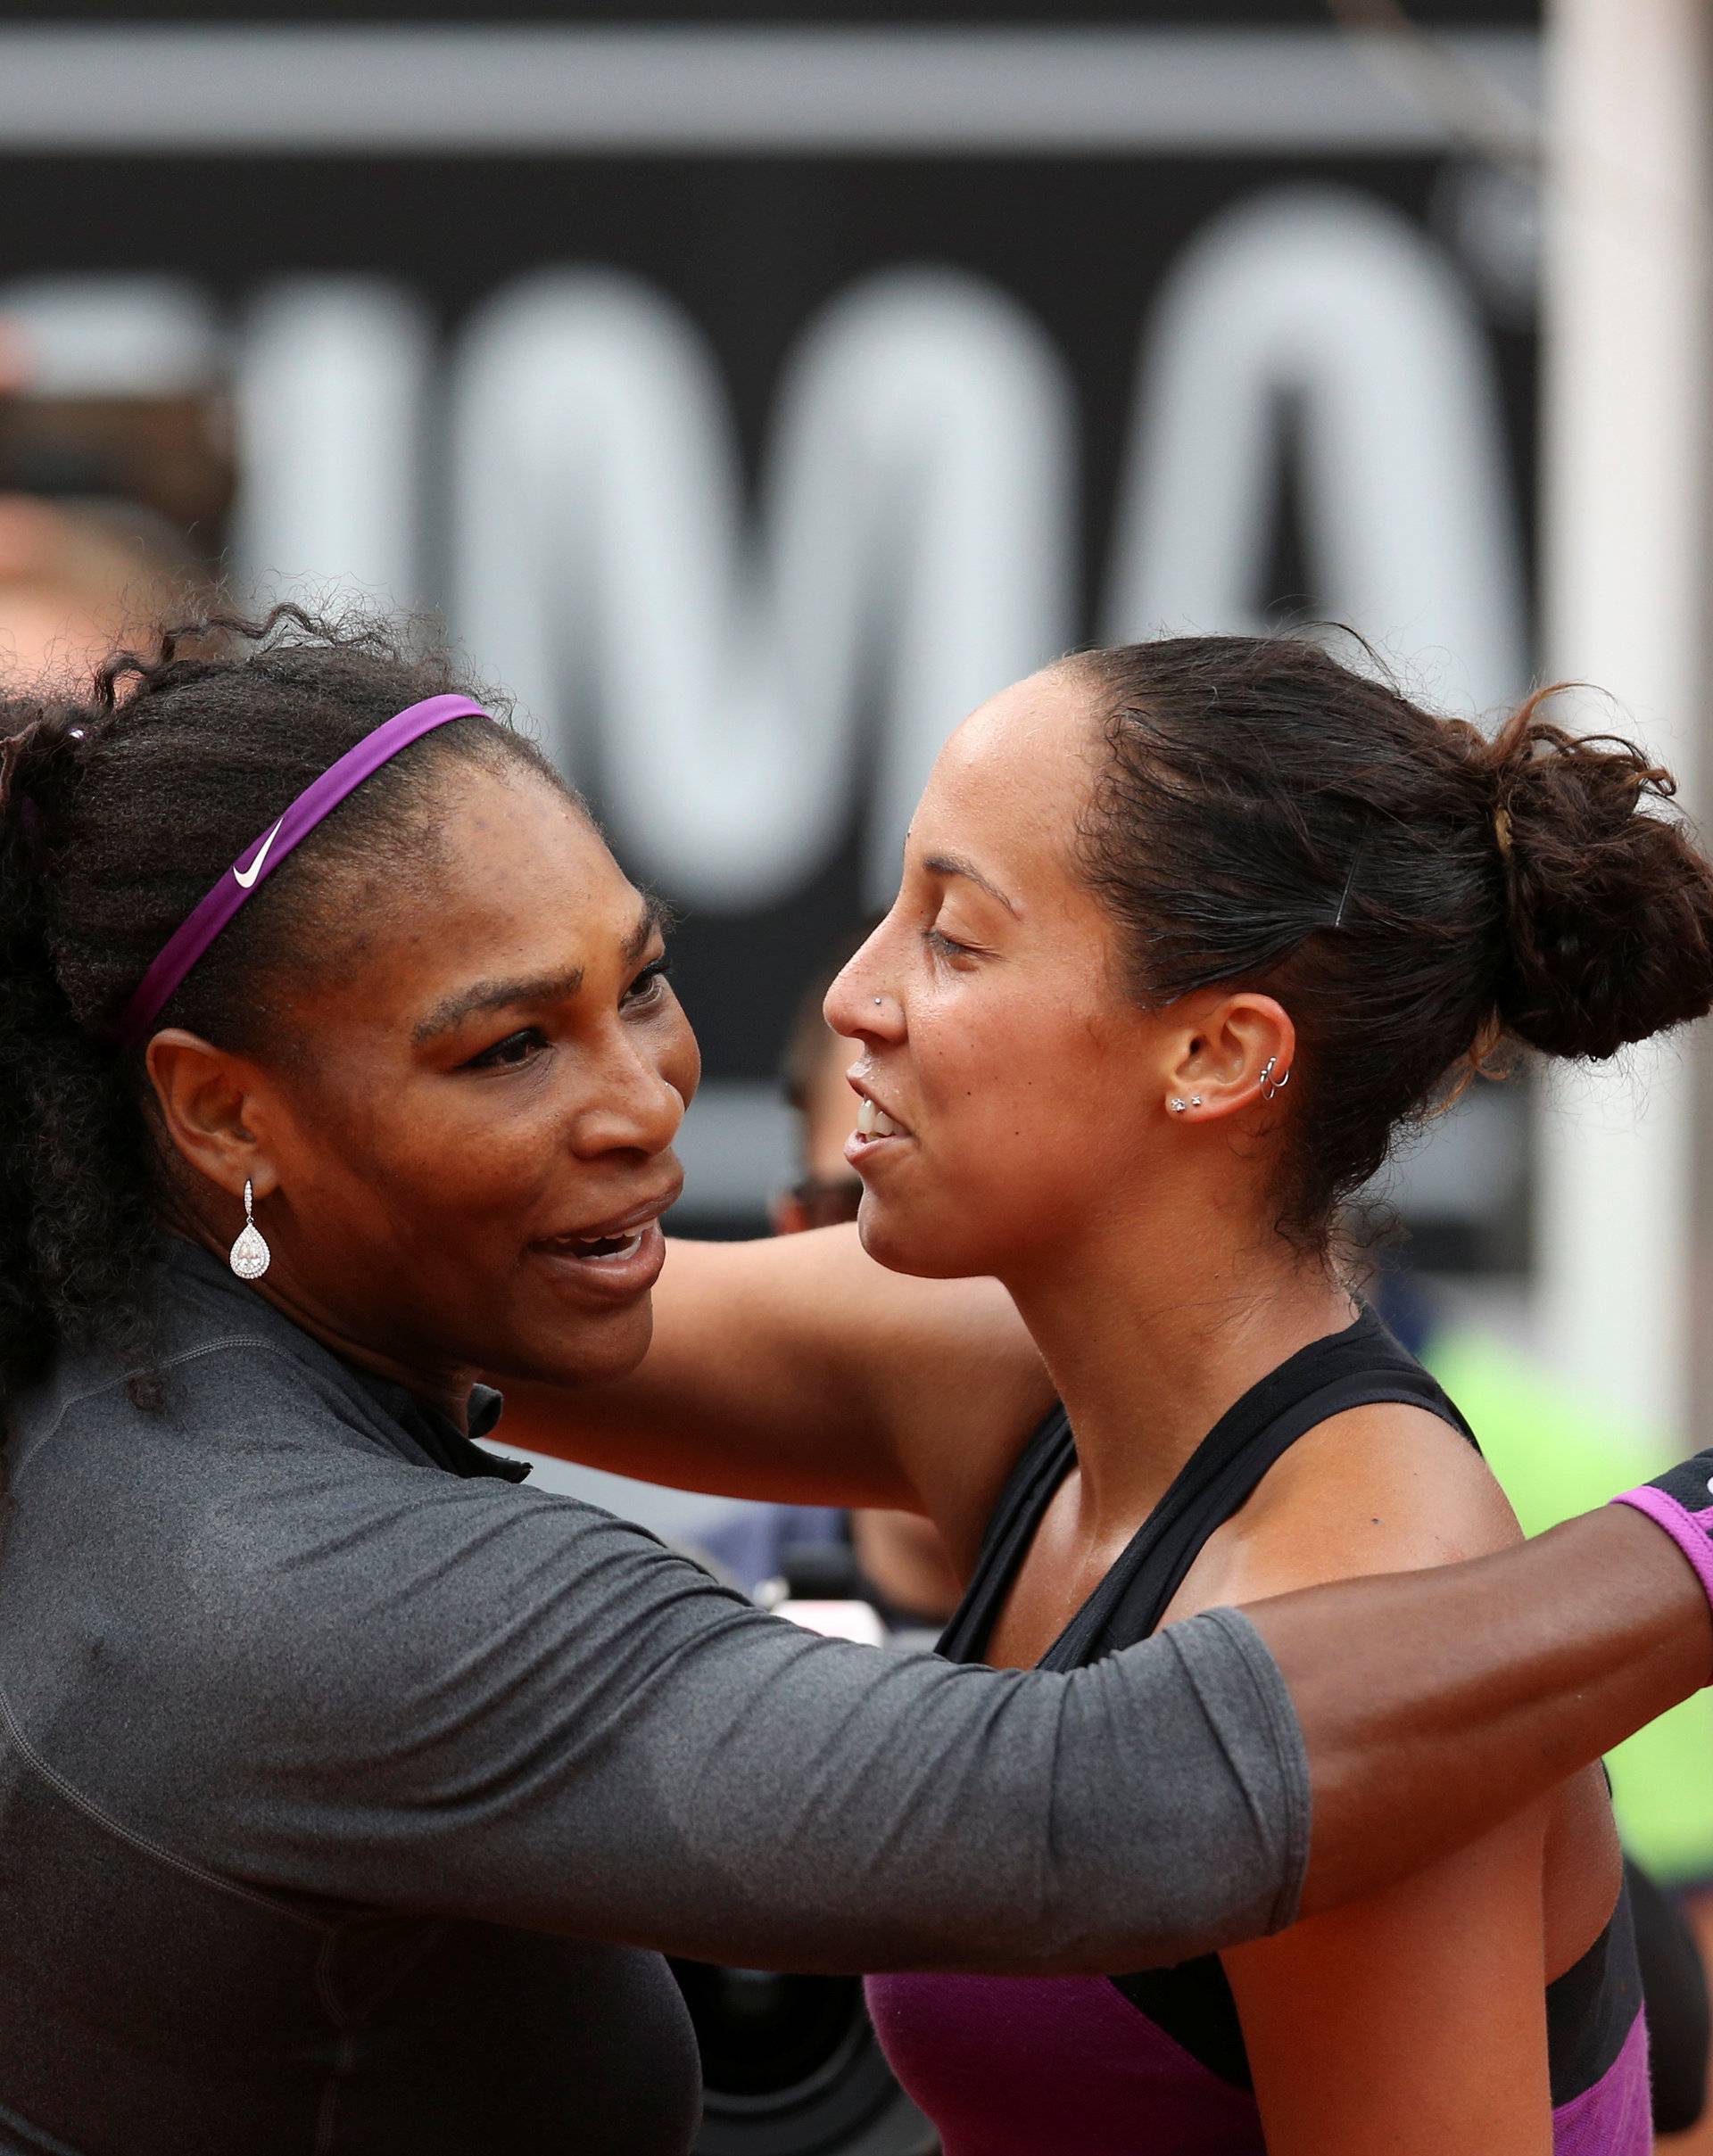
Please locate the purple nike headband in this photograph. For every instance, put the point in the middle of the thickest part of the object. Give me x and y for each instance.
(252, 868)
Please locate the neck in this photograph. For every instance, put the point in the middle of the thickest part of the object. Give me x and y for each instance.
(1152, 1330)
(444, 1388)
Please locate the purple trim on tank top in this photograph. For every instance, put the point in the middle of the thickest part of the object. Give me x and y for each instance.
(1693, 1531)
(1016, 2066)
(1012, 2066)
(1615, 2116)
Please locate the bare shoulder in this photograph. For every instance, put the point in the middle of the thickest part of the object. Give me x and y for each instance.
(1383, 1488)
(1390, 1488)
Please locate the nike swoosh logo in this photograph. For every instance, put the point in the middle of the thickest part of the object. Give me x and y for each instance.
(247, 877)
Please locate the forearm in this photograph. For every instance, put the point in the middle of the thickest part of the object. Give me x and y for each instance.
(1434, 1704)
(795, 1369)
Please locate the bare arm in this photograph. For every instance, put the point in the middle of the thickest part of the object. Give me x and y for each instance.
(634, 1754)
(1432, 1704)
(797, 1369)
(1413, 2021)
(1435, 1703)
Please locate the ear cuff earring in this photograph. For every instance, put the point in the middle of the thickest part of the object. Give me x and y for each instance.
(250, 1256)
(1271, 1087)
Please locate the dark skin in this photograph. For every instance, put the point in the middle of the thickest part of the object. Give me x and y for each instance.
(487, 1074)
(492, 1067)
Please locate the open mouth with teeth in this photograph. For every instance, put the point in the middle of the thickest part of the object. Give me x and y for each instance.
(872, 1122)
(593, 1249)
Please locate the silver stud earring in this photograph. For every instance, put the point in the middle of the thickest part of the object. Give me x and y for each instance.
(1176, 1105)
(250, 1256)
(1195, 1100)
(879, 1000)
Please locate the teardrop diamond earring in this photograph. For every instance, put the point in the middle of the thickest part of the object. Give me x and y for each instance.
(250, 1256)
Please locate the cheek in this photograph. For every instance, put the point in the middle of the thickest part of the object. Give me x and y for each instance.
(422, 1167)
(1003, 1136)
(1030, 1118)
(1002, 1074)
(680, 1059)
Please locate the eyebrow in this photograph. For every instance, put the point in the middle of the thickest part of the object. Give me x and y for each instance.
(958, 865)
(539, 989)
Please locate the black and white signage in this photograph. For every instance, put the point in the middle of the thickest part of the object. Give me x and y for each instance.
(754, 397)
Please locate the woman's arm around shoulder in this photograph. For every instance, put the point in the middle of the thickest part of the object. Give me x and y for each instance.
(1412, 2020)
(796, 1369)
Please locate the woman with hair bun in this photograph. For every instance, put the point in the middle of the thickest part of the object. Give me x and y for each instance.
(349, 1789)
(1190, 934)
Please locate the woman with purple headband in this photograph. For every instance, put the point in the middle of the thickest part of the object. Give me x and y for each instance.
(351, 1789)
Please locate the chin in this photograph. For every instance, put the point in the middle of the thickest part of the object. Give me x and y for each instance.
(922, 1249)
(596, 1351)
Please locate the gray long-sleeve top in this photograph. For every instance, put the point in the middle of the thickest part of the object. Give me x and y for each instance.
(345, 1784)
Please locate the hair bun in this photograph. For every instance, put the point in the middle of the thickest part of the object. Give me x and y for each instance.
(1609, 902)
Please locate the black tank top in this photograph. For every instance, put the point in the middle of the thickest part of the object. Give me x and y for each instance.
(1591, 2007)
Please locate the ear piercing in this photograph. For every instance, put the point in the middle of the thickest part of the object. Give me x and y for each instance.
(1270, 1085)
(250, 1256)
(1178, 1106)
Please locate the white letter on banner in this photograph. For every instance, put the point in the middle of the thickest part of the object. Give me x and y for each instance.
(911, 553)
(333, 375)
(1340, 305)
(99, 333)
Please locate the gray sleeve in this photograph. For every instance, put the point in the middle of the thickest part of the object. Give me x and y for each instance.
(544, 1718)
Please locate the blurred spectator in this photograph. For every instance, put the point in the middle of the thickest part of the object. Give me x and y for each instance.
(77, 576)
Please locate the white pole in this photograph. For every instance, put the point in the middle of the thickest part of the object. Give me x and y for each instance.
(1624, 470)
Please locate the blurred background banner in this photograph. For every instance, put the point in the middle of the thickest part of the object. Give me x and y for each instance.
(757, 394)
(755, 391)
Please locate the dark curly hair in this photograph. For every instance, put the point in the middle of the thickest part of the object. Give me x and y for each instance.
(117, 813)
(1415, 893)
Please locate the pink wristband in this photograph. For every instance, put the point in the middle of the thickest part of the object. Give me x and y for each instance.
(1693, 1531)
